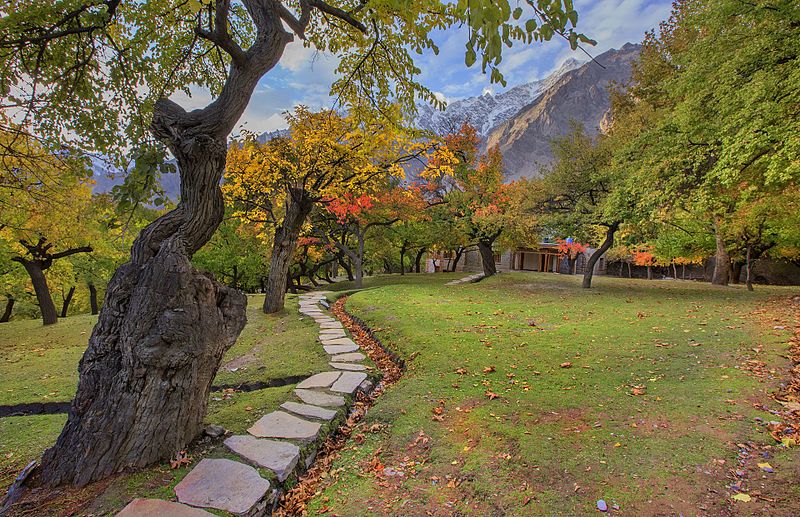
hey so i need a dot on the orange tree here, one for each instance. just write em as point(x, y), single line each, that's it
point(345, 221)
point(471, 187)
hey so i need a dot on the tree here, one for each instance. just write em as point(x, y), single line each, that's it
point(347, 220)
point(278, 183)
point(102, 71)
point(46, 200)
point(571, 249)
point(580, 193)
point(471, 185)
point(711, 115)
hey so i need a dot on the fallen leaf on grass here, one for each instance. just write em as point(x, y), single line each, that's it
point(638, 390)
point(488, 369)
point(766, 467)
point(566, 365)
point(745, 498)
point(491, 395)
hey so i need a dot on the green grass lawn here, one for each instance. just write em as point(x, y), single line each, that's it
point(39, 364)
point(645, 416)
point(644, 413)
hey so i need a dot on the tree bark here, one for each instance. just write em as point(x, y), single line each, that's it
point(649, 272)
point(67, 301)
point(418, 260)
point(403, 258)
point(487, 256)
point(748, 265)
point(609, 240)
point(9, 308)
point(42, 290)
point(722, 261)
point(347, 269)
point(630, 270)
point(357, 259)
point(93, 299)
point(298, 206)
point(736, 272)
point(454, 264)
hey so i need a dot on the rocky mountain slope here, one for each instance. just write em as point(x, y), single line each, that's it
point(579, 95)
point(488, 111)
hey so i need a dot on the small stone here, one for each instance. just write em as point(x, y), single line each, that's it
point(319, 398)
point(348, 382)
point(347, 358)
point(279, 457)
point(157, 507)
point(222, 484)
point(340, 349)
point(348, 366)
point(337, 341)
point(365, 386)
point(602, 506)
point(320, 380)
point(331, 325)
point(283, 425)
point(325, 303)
point(214, 431)
point(309, 410)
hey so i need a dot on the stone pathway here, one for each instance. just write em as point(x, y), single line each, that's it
point(278, 440)
point(466, 279)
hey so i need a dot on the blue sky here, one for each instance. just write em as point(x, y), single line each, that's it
point(303, 75)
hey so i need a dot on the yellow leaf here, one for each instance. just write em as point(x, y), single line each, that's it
point(742, 497)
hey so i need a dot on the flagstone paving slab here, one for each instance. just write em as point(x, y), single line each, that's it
point(283, 425)
point(158, 508)
point(309, 410)
point(348, 358)
point(348, 366)
point(222, 484)
point(319, 398)
point(340, 349)
point(338, 341)
point(279, 457)
point(348, 382)
point(320, 380)
point(331, 333)
point(331, 325)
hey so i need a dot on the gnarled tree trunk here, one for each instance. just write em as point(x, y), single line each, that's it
point(298, 206)
point(607, 242)
point(162, 331)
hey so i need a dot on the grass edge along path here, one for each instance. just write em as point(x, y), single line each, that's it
point(295, 501)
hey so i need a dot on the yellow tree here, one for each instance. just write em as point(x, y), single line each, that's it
point(45, 203)
point(326, 155)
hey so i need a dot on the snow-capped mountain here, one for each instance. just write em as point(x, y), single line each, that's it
point(488, 111)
